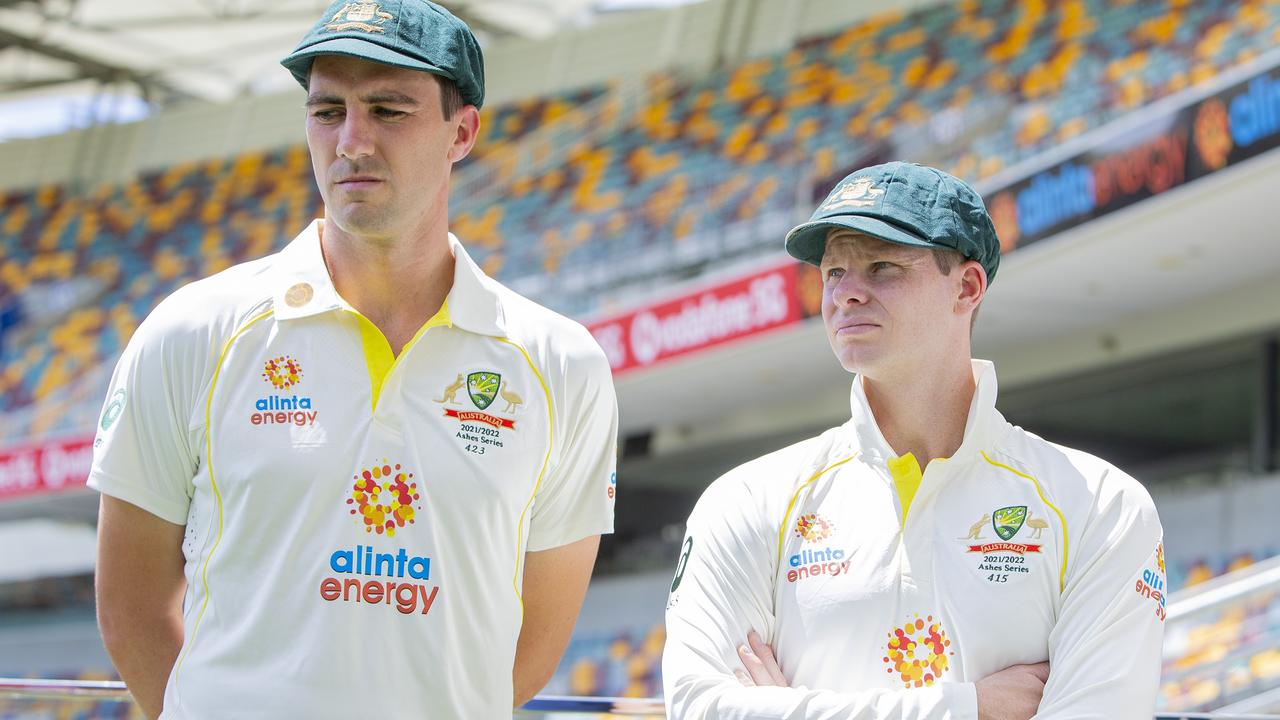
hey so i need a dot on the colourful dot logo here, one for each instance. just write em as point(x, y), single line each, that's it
point(384, 498)
point(1160, 558)
point(813, 527)
point(282, 372)
point(918, 653)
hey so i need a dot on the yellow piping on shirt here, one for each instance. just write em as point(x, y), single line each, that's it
point(515, 578)
point(782, 531)
point(1062, 576)
point(217, 496)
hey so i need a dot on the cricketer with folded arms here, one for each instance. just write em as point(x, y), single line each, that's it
point(926, 559)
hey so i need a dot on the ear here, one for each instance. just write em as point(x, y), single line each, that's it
point(972, 286)
point(464, 139)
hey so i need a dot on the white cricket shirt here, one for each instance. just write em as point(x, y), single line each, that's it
point(356, 523)
point(885, 602)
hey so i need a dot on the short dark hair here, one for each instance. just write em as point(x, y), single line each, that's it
point(450, 97)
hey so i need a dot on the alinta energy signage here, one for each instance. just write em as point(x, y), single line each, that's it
point(1232, 125)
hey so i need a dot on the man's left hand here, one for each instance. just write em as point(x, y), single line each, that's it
point(761, 666)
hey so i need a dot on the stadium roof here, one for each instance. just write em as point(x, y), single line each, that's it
point(166, 50)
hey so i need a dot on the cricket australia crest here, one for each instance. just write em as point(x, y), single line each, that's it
point(483, 388)
point(1007, 521)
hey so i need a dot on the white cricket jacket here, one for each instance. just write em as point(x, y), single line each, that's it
point(883, 602)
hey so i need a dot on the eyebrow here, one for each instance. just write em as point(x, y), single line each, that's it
point(377, 98)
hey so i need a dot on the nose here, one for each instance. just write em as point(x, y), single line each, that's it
point(355, 137)
point(850, 289)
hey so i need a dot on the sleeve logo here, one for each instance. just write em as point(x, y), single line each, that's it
point(112, 411)
point(683, 564)
point(1152, 584)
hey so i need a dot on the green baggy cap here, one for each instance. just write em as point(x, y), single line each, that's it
point(903, 203)
point(413, 34)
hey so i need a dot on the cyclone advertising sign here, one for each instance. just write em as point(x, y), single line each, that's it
point(734, 309)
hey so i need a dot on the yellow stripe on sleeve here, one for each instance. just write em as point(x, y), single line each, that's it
point(515, 578)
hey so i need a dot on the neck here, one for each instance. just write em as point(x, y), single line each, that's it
point(924, 415)
point(397, 284)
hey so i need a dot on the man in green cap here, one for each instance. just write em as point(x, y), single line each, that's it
point(926, 559)
point(357, 478)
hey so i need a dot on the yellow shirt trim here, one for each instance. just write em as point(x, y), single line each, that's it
point(1062, 575)
point(782, 530)
point(546, 391)
point(906, 474)
point(377, 350)
point(217, 496)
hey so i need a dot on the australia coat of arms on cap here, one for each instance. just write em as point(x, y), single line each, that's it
point(855, 193)
point(366, 16)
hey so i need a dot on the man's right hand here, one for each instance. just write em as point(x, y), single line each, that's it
point(1013, 693)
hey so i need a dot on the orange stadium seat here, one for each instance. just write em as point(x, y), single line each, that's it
point(727, 144)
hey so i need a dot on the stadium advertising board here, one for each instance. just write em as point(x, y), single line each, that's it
point(44, 468)
point(755, 303)
point(1226, 128)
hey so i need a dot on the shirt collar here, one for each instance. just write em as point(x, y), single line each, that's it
point(980, 427)
point(304, 287)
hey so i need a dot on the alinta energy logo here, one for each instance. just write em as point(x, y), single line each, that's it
point(813, 527)
point(1152, 583)
point(813, 562)
point(917, 652)
point(282, 373)
point(384, 497)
